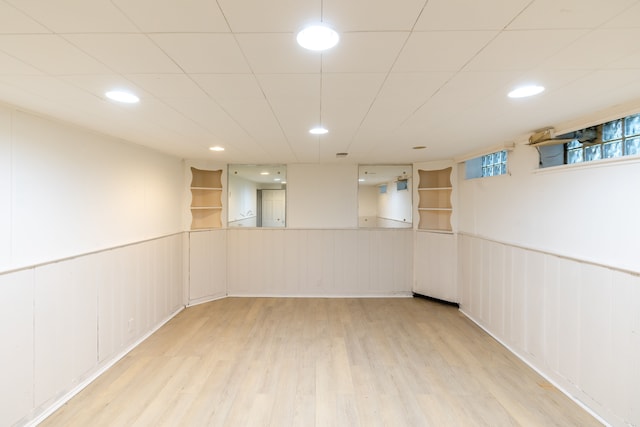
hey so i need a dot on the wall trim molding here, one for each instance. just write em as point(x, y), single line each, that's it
point(98, 251)
point(546, 252)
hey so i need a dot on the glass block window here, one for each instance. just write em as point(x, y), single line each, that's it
point(617, 138)
point(494, 164)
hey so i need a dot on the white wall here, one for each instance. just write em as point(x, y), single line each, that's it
point(66, 191)
point(322, 196)
point(588, 213)
point(91, 255)
point(548, 263)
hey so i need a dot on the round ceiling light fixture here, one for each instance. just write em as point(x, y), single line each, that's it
point(318, 131)
point(318, 37)
point(122, 96)
point(525, 91)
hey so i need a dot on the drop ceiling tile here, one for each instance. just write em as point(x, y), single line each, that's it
point(164, 86)
point(50, 54)
point(211, 116)
point(229, 86)
point(426, 51)
point(403, 94)
point(258, 16)
point(521, 50)
point(277, 54)
point(367, 15)
point(162, 115)
point(171, 16)
point(565, 14)
point(343, 117)
point(14, 21)
point(630, 61)
point(99, 84)
point(203, 53)
point(125, 53)
point(362, 86)
point(605, 46)
point(11, 65)
point(51, 88)
point(293, 87)
point(629, 18)
point(76, 16)
point(364, 53)
point(447, 15)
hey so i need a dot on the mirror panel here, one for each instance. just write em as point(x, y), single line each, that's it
point(385, 196)
point(257, 195)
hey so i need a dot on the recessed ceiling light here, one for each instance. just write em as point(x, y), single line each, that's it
point(318, 131)
point(318, 37)
point(360, 179)
point(524, 91)
point(216, 148)
point(122, 96)
point(264, 173)
point(276, 179)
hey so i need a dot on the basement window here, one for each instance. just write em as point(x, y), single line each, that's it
point(617, 138)
point(493, 164)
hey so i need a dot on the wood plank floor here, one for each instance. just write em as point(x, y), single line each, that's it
point(320, 362)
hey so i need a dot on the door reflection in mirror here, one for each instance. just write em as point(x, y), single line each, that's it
point(257, 195)
point(385, 196)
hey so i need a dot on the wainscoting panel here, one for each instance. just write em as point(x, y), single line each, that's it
point(435, 266)
point(64, 321)
point(294, 262)
point(16, 357)
point(575, 322)
point(207, 265)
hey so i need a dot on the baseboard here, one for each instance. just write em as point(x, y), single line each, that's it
point(102, 368)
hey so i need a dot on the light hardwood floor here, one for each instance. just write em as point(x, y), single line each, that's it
point(320, 362)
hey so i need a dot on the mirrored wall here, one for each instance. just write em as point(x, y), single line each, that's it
point(257, 195)
point(385, 196)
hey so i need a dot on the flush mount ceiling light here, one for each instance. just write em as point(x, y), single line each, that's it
point(318, 37)
point(318, 131)
point(525, 91)
point(216, 148)
point(122, 96)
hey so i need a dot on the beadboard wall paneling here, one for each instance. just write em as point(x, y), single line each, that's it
point(16, 357)
point(575, 322)
point(435, 265)
point(63, 322)
point(207, 265)
point(294, 262)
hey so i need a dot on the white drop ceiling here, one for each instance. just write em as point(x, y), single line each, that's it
point(405, 73)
